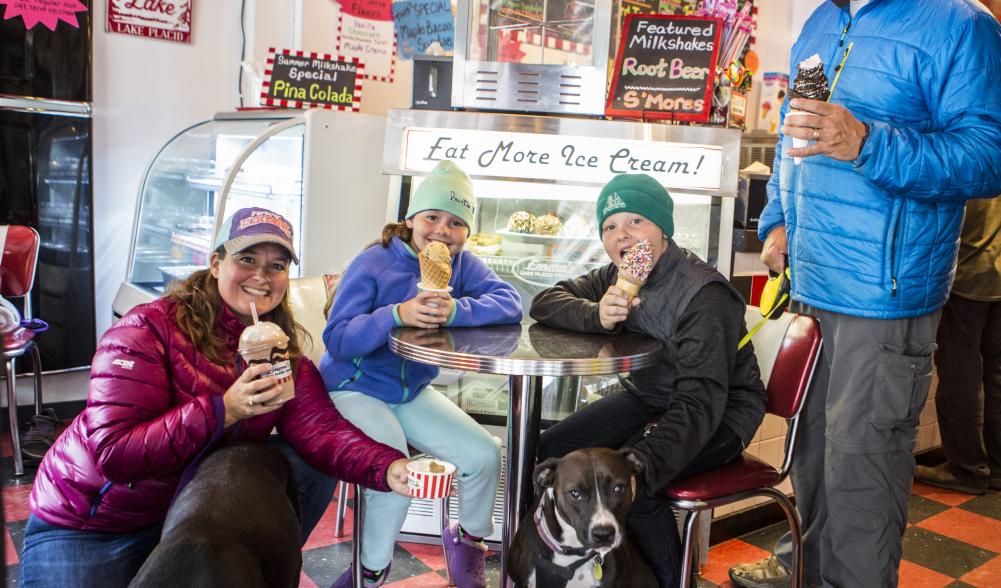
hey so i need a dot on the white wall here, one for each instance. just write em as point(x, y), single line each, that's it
point(779, 24)
point(145, 91)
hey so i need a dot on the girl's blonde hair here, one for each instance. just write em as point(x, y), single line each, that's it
point(400, 229)
point(199, 305)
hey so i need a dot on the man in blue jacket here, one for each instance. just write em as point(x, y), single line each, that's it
point(869, 220)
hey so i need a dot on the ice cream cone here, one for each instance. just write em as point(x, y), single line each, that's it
point(436, 265)
point(630, 284)
point(637, 263)
point(798, 143)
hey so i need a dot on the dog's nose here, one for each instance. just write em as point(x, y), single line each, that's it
point(603, 535)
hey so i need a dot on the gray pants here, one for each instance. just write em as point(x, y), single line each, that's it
point(853, 464)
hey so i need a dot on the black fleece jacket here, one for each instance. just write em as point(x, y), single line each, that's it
point(700, 380)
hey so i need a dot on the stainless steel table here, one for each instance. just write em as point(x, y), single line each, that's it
point(524, 353)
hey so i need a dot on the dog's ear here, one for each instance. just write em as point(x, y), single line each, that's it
point(544, 474)
point(634, 458)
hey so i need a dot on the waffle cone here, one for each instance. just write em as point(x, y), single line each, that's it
point(435, 274)
point(630, 284)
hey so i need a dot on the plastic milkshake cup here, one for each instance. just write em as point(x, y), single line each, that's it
point(265, 342)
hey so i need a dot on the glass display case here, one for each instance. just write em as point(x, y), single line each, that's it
point(288, 161)
point(536, 180)
point(532, 55)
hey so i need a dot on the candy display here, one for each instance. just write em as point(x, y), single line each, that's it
point(436, 265)
point(547, 224)
point(637, 263)
point(520, 222)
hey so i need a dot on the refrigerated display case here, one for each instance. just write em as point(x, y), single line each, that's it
point(536, 180)
point(318, 168)
point(532, 55)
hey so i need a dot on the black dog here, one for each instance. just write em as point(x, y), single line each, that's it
point(575, 534)
point(235, 524)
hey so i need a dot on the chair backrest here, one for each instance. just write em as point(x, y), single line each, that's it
point(795, 362)
point(18, 260)
point(308, 296)
point(787, 350)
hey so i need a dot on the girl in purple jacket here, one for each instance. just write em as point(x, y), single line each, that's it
point(388, 397)
point(167, 383)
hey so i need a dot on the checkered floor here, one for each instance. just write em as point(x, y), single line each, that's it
point(952, 540)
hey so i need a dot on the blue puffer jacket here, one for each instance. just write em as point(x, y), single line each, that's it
point(877, 237)
point(358, 357)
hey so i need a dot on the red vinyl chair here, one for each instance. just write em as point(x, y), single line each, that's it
point(787, 383)
point(17, 274)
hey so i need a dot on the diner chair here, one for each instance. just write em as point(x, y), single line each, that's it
point(787, 350)
point(18, 261)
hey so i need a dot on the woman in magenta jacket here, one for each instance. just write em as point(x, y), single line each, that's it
point(166, 384)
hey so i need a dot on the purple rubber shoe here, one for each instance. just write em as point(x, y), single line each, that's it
point(344, 580)
point(464, 559)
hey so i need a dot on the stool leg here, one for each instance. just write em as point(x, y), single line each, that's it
point(688, 548)
point(359, 508)
point(444, 523)
point(36, 368)
point(342, 506)
point(795, 531)
point(15, 438)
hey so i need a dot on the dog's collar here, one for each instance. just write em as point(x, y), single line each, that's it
point(565, 572)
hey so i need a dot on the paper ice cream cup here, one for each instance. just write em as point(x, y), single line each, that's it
point(423, 288)
point(424, 483)
point(798, 143)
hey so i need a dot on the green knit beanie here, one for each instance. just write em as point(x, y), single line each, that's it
point(638, 193)
point(446, 188)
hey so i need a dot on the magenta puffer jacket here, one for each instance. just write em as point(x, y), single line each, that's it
point(154, 404)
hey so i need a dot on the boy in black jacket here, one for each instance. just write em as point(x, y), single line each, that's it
point(700, 404)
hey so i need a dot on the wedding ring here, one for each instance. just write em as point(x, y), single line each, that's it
point(816, 134)
point(250, 401)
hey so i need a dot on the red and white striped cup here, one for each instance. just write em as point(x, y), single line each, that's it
point(426, 484)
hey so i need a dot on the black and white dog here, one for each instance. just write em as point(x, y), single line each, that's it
point(575, 534)
point(235, 524)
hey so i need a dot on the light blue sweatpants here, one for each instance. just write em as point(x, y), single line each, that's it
point(434, 425)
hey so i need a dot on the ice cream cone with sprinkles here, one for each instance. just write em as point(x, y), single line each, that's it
point(637, 263)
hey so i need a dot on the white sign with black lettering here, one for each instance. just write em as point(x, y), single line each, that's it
point(562, 157)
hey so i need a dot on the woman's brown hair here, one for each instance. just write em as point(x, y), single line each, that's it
point(199, 305)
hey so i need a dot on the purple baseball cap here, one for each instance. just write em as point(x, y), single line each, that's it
point(252, 226)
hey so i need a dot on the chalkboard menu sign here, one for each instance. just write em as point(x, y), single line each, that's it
point(665, 67)
point(296, 79)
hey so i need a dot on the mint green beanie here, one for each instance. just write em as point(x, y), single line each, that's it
point(640, 194)
point(446, 188)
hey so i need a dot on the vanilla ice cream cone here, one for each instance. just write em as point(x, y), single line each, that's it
point(436, 266)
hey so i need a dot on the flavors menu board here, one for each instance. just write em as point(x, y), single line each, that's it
point(665, 67)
